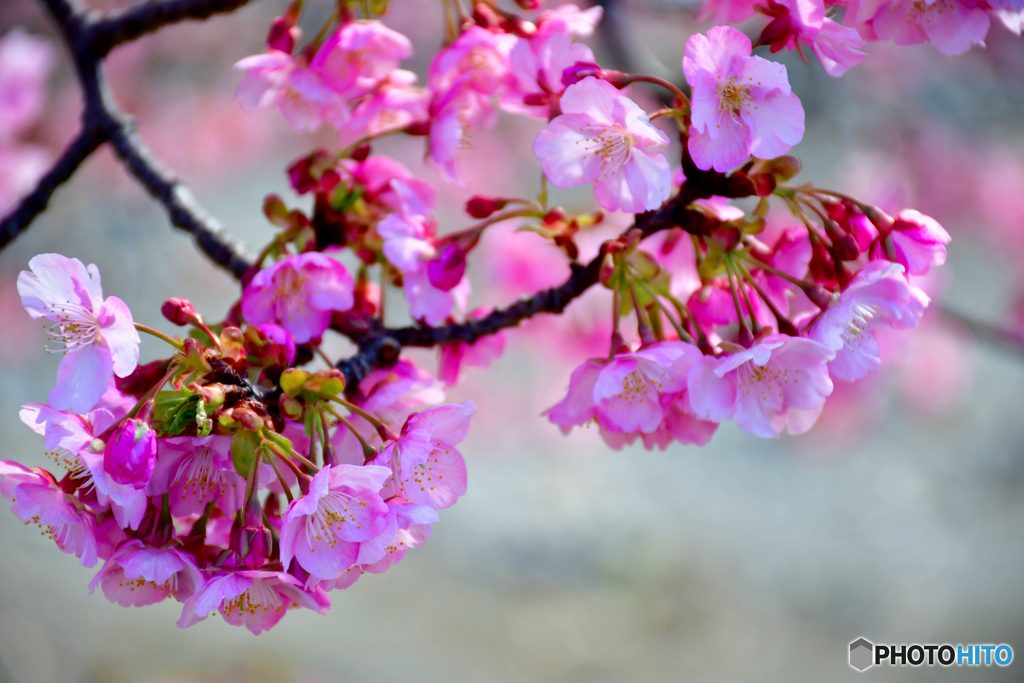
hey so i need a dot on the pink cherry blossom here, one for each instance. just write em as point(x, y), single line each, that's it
point(803, 21)
point(137, 575)
point(408, 526)
point(358, 56)
point(394, 104)
point(427, 469)
point(21, 167)
point(25, 63)
point(952, 26)
point(255, 599)
point(602, 138)
point(277, 79)
point(878, 295)
point(568, 19)
point(130, 455)
point(727, 11)
point(37, 499)
point(537, 66)
point(742, 105)
point(912, 239)
point(779, 383)
point(196, 470)
point(69, 440)
point(322, 529)
point(299, 293)
point(98, 335)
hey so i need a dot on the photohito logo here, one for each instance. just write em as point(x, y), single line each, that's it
point(864, 654)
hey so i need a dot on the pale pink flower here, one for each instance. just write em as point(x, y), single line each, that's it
point(602, 138)
point(299, 293)
point(98, 335)
point(37, 499)
point(634, 394)
point(25, 63)
point(322, 529)
point(877, 296)
point(1012, 18)
point(196, 470)
point(251, 598)
point(277, 79)
point(137, 575)
point(451, 358)
point(952, 26)
point(68, 439)
point(358, 56)
point(427, 468)
point(395, 104)
point(742, 105)
point(912, 239)
point(779, 383)
point(570, 19)
point(376, 175)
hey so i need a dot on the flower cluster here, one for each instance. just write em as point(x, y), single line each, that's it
point(191, 482)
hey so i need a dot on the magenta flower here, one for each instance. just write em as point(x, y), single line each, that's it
point(537, 67)
point(130, 455)
point(98, 335)
point(451, 358)
point(877, 296)
point(395, 103)
point(912, 239)
point(426, 467)
point(358, 56)
point(570, 19)
point(952, 26)
point(742, 105)
point(779, 383)
point(602, 138)
point(408, 526)
point(37, 499)
point(137, 575)
point(196, 470)
point(797, 22)
point(299, 293)
point(251, 598)
point(322, 529)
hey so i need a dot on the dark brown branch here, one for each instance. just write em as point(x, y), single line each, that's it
point(123, 26)
point(89, 39)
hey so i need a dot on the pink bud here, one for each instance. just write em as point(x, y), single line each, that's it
point(179, 311)
point(130, 455)
point(446, 271)
point(580, 70)
point(482, 207)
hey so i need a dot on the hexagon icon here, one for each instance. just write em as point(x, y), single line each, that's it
point(861, 654)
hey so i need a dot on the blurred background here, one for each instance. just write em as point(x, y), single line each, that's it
point(899, 518)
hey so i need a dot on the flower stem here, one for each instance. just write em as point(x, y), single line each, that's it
point(280, 478)
point(683, 99)
point(159, 335)
point(368, 451)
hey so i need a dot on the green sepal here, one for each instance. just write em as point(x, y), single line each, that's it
point(244, 445)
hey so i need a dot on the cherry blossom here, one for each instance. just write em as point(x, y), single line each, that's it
point(137, 575)
point(602, 138)
point(196, 471)
point(742, 105)
point(912, 239)
point(98, 336)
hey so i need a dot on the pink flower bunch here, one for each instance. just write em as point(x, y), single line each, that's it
point(221, 477)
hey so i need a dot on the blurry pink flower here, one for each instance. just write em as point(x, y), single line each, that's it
point(277, 79)
point(21, 167)
point(299, 293)
point(322, 529)
point(803, 21)
point(537, 67)
point(912, 239)
point(601, 138)
point(376, 173)
point(137, 575)
point(196, 470)
point(408, 526)
point(952, 26)
point(480, 354)
point(37, 499)
point(742, 105)
point(130, 454)
point(98, 335)
point(727, 11)
point(251, 598)
point(878, 295)
point(358, 56)
point(25, 63)
point(779, 383)
point(396, 103)
point(568, 19)
point(427, 468)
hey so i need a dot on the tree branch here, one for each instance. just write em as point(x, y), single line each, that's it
point(89, 39)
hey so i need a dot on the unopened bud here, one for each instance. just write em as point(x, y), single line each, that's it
point(195, 356)
point(179, 311)
point(580, 70)
point(482, 207)
point(282, 35)
point(819, 296)
point(130, 454)
point(387, 433)
point(247, 418)
point(528, 4)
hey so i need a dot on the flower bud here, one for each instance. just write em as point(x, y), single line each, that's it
point(282, 35)
point(255, 542)
point(247, 418)
point(446, 271)
point(580, 70)
point(130, 455)
point(482, 207)
point(528, 4)
point(179, 311)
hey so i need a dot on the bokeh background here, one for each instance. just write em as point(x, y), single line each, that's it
point(899, 518)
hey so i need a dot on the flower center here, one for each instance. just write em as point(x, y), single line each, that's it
point(733, 97)
point(859, 325)
point(332, 513)
point(198, 476)
point(611, 144)
point(256, 600)
point(75, 326)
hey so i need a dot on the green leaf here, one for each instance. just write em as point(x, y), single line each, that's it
point(244, 445)
point(176, 411)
